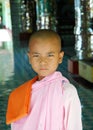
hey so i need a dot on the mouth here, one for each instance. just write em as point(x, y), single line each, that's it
point(43, 69)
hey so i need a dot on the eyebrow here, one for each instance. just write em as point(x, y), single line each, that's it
point(40, 53)
point(35, 53)
point(50, 52)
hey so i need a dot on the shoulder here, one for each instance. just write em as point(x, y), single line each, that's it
point(17, 92)
point(69, 90)
point(23, 87)
point(70, 96)
point(20, 87)
point(70, 87)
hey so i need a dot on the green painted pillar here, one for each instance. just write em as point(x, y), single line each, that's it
point(46, 14)
point(27, 15)
point(84, 29)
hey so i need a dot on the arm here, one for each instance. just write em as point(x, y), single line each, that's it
point(72, 120)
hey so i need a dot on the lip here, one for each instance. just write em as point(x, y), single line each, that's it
point(43, 69)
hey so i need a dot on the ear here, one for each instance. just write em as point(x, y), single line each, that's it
point(61, 57)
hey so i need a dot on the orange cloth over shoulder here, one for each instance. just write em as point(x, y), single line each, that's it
point(18, 103)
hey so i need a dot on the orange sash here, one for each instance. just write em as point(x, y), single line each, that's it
point(18, 103)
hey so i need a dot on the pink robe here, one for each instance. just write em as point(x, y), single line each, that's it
point(54, 105)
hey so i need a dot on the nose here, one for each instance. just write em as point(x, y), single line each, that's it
point(43, 60)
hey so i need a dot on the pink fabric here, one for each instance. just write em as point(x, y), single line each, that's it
point(55, 105)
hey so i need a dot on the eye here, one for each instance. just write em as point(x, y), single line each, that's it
point(35, 55)
point(50, 55)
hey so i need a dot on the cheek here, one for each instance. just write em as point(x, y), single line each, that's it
point(54, 62)
point(34, 66)
point(33, 63)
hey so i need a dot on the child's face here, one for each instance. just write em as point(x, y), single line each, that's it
point(44, 56)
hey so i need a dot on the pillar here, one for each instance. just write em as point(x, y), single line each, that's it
point(46, 14)
point(84, 29)
point(27, 15)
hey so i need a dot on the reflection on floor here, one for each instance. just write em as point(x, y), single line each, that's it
point(15, 70)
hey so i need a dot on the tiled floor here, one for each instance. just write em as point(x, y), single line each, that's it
point(15, 70)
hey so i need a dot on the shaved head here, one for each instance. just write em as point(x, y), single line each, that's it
point(46, 34)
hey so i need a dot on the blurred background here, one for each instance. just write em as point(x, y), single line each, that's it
point(73, 21)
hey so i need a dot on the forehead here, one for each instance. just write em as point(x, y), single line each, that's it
point(44, 43)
